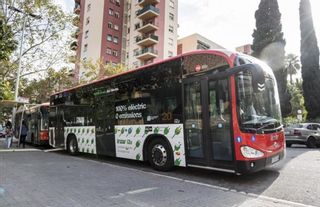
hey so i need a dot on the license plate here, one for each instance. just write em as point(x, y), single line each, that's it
point(275, 159)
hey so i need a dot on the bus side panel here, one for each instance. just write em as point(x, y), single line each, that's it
point(86, 137)
point(130, 140)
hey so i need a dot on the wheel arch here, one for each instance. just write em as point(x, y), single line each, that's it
point(149, 139)
point(69, 136)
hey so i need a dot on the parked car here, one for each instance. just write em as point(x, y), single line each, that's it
point(303, 133)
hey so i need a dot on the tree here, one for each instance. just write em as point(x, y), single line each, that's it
point(46, 42)
point(292, 65)
point(309, 61)
point(7, 42)
point(268, 45)
point(98, 70)
point(39, 91)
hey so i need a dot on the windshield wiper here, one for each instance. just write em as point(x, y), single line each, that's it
point(269, 124)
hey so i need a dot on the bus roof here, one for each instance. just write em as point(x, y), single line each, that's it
point(229, 55)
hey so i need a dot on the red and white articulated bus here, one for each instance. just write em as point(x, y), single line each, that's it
point(37, 120)
point(206, 109)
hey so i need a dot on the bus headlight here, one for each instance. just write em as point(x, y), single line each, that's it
point(249, 152)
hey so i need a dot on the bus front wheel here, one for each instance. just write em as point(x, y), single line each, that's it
point(160, 155)
point(73, 146)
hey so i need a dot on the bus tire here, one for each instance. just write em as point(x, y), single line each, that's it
point(160, 155)
point(72, 145)
point(311, 142)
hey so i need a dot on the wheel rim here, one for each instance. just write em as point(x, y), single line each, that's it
point(72, 146)
point(159, 155)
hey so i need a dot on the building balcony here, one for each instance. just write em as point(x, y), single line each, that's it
point(148, 27)
point(77, 8)
point(148, 40)
point(148, 12)
point(144, 3)
point(146, 54)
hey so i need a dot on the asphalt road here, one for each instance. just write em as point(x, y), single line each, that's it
point(38, 178)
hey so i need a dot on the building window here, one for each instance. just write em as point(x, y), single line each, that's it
point(137, 26)
point(88, 7)
point(170, 42)
point(117, 15)
point(170, 53)
point(85, 48)
point(111, 12)
point(171, 4)
point(109, 51)
point(115, 53)
point(88, 20)
point(202, 46)
point(116, 27)
point(171, 29)
point(171, 16)
point(115, 39)
point(110, 25)
point(109, 38)
point(135, 52)
point(118, 2)
point(86, 34)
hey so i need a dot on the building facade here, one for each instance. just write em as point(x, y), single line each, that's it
point(246, 49)
point(196, 42)
point(131, 32)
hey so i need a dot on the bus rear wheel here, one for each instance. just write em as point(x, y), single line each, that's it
point(72, 146)
point(160, 155)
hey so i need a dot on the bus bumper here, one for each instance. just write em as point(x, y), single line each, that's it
point(251, 166)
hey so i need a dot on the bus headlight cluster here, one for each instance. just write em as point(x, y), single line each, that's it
point(249, 152)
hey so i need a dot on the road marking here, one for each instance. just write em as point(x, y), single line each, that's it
point(53, 150)
point(20, 150)
point(140, 191)
point(252, 195)
point(133, 192)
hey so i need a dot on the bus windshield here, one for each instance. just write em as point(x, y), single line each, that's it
point(260, 109)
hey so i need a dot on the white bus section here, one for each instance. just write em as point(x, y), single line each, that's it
point(130, 140)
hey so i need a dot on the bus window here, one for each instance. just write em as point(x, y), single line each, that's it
point(219, 108)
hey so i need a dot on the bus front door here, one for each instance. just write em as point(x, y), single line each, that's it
point(57, 127)
point(207, 120)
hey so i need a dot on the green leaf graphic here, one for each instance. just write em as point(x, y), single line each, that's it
point(137, 144)
point(138, 130)
point(166, 130)
point(177, 131)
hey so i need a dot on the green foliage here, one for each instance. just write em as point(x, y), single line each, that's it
point(268, 26)
point(40, 36)
point(297, 100)
point(268, 45)
point(7, 43)
point(310, 61)
point(292, 66)
point(39, 91)
point(97, 70)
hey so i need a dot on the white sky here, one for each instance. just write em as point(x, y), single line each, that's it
point(230, 23)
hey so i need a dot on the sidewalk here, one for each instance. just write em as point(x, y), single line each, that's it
point(14, 146)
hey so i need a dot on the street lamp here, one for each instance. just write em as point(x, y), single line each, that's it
point(25, 15)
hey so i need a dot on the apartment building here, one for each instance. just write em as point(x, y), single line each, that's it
point(196, 42)
point(131, 32)
point(152, 31)
point(100, 31)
